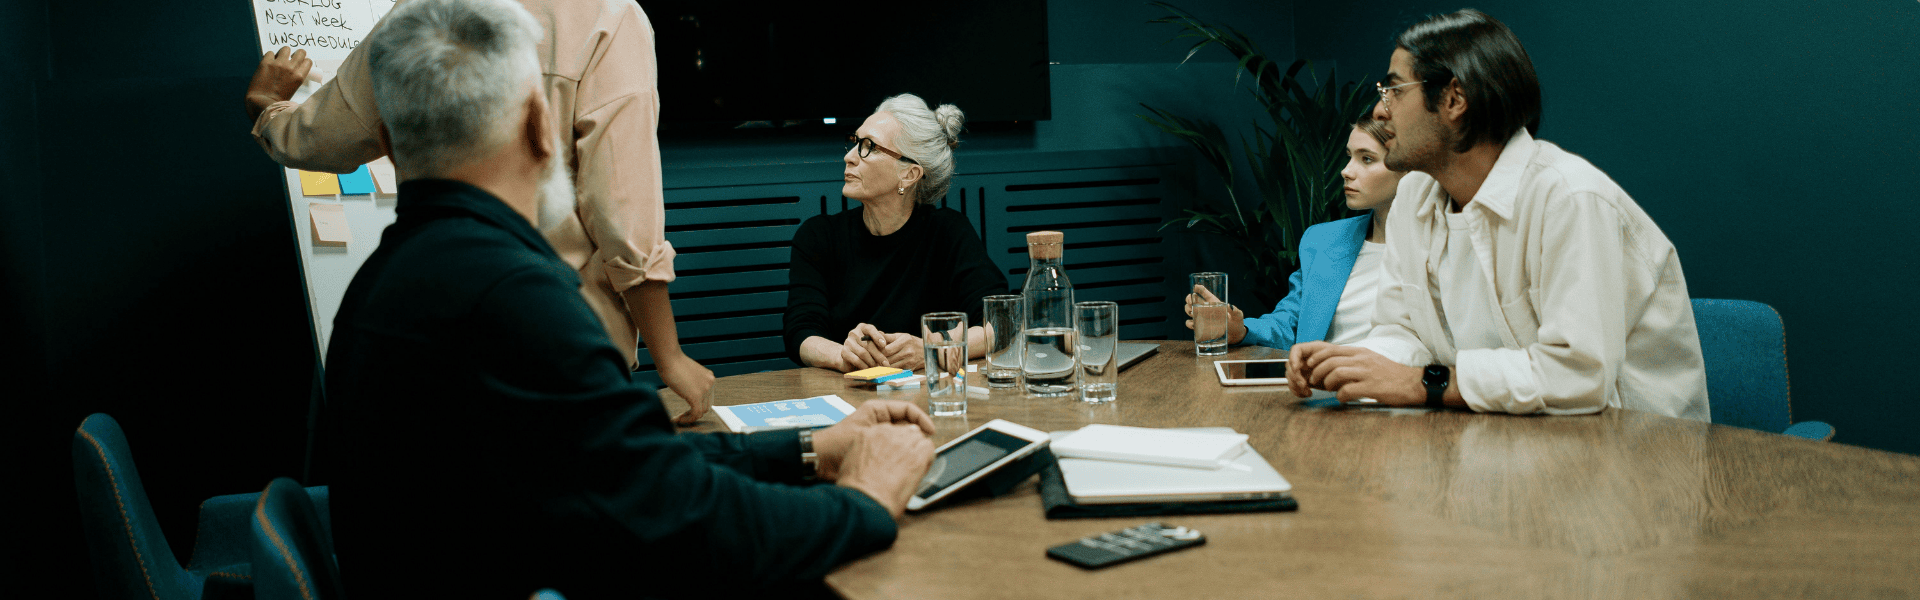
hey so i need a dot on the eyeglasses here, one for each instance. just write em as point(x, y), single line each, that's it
point(1386, 99)
point(867, 146)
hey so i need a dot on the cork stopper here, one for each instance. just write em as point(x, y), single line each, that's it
point(1044, 244)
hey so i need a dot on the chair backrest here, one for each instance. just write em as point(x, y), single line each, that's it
point(130, 556)
point(292, 550)
point(1745, 348)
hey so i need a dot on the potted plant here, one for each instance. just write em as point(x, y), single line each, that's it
point(1294, 157)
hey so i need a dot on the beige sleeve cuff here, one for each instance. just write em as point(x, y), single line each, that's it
point(262, 134)
point(635, 265)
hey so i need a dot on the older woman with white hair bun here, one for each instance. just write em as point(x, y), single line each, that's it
point(861, 279)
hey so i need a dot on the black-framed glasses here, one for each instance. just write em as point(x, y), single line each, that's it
point(867, 146)
point(1388, 92)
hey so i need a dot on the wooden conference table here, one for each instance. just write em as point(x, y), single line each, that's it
point(1399, 503)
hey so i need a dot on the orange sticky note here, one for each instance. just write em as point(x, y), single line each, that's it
point(329, 224)
point(383, 177)
point(318, 184)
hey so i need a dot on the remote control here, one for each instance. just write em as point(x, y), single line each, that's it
point(1108, 549)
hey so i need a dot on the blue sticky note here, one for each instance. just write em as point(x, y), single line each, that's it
point(358, 182)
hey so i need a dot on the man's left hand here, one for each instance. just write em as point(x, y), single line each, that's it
point(1356, 373)
point(830, 443)
point(280, 75)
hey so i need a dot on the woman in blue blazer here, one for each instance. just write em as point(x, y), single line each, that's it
point(1330, 298)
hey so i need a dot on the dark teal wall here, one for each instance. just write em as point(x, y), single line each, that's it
point(1111, 60)
point(147, 268)
point(1772, 141)
point(23, 59)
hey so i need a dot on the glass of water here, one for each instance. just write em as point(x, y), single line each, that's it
point(1098, 327)
point(1209, 318)
point(944, 335)
point(1004, 317)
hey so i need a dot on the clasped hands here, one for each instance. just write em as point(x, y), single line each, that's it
point(1353, 373)
point(867, 346)
point(882, 450)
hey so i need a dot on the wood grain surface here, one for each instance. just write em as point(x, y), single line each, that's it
point(1412, 503)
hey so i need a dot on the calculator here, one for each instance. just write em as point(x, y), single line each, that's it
point(1107, 549)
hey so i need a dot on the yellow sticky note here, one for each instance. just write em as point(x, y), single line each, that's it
point(318, 184)
point(329, 224)
point(383, 177)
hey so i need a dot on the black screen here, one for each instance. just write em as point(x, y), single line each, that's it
point(809, 60)
point(963, 459)
point(1257, 370)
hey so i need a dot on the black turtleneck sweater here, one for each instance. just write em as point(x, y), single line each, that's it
point(842, 275)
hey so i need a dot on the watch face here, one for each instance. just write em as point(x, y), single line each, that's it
point(1435, 375)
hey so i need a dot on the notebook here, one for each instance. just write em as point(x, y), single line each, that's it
point(818, 411)
point(1174, 447)
point(1247, 477)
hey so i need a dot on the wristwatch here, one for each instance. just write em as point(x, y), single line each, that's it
point(1436, 378)
point(809, 460)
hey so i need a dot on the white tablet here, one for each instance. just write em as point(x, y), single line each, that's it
point(969, 457)
point(1266, 371)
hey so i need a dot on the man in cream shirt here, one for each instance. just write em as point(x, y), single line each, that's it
point(1518, 278)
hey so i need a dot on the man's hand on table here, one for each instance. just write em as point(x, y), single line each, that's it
point(280, 75)
point(1353, 373)
point(882, 449)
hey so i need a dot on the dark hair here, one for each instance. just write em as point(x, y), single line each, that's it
point(1493, 70)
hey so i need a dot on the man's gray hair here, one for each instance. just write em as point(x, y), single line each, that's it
point(449, 75)
point(927, 137)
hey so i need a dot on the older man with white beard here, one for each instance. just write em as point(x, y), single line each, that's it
point(492, 440)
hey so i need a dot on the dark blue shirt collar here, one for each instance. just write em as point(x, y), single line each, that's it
point(430, 199)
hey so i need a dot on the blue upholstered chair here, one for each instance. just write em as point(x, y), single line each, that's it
point(130, 555)
point(291, 547)
point(131, 558)
point(1745, 347)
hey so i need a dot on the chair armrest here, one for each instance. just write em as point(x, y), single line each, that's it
point(220, 540)
point(1814, 430)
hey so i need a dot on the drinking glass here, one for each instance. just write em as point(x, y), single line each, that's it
point(1098, 327)
point(1209, 318)
point(944, 335)
point(1004, 317)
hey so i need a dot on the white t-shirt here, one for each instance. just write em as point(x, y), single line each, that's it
point(1466, 301)
point(1353, 317)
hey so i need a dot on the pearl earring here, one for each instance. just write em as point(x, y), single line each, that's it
point(903, 191)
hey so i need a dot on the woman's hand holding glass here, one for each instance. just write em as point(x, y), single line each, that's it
point(1236, 320)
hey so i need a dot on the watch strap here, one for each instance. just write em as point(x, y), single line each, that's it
point(809, 460)
point(1436, 378)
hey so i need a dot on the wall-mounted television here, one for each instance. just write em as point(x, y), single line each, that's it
point(803, 61)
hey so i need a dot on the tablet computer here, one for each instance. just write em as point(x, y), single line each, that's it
point(971, 456)
point(1266, 371)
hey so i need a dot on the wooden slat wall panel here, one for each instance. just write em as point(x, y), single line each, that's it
point(733, 244)
point(1111, 218)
